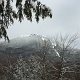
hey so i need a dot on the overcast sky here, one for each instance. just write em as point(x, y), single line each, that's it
point(66, 19)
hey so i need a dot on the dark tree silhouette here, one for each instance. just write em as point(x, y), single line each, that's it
point(26, 9)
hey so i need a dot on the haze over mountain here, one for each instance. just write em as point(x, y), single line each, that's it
point(31, 45)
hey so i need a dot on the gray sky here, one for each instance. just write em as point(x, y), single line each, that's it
point(66, 19)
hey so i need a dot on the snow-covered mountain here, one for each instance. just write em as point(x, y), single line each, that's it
point(25, 40)
point(30, 45)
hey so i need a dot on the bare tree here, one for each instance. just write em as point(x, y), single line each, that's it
point(48, 66)
point(64, 46)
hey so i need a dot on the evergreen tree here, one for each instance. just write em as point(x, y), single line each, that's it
point(26, 9)
point(18, 70)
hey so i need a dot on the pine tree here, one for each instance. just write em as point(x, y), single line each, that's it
point(36, 67)
point(18, 70)
point(26, 9)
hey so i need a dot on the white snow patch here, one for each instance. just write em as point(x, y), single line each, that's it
point(24, 36)
point(33, 3)
point(57, 53)
point(53, 44)
point(44, 38)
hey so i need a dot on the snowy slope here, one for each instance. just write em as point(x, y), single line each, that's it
point(31, 44)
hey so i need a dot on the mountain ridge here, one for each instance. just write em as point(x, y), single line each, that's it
point(32, 44)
